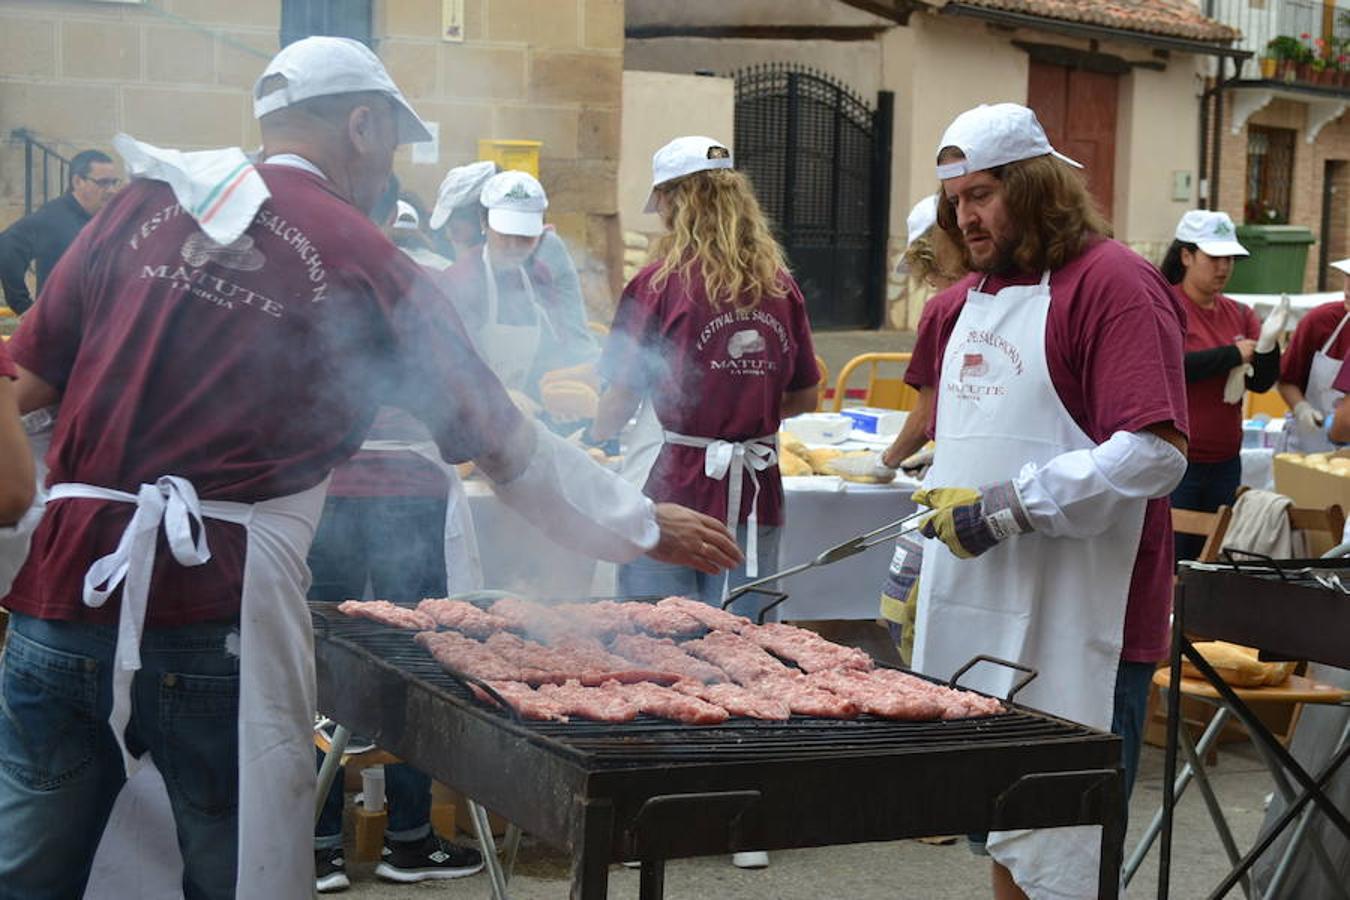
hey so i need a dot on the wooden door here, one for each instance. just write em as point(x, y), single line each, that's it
point(1077, 108)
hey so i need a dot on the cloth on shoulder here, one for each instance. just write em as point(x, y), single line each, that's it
point(1260, 524)
point(219, 188)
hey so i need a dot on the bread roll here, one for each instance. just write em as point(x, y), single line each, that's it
point(569, 401)
point(792, 465)
point(818, 458)
point(791, 443)
point(1238, 665)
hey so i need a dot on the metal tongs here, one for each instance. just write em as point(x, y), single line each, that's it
point(850, 547)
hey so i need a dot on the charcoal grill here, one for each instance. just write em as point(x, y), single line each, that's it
point(1292, 609)
point(652, 790)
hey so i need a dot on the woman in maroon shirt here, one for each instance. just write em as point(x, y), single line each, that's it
point(1221, 336)
point(714, 330)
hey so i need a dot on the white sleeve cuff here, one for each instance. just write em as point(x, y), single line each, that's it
point(1080, 493)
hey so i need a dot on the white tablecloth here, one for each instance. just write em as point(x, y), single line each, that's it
point(1258, 468)
point(518, 557)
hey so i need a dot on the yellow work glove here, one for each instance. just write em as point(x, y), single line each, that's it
point(971, 522)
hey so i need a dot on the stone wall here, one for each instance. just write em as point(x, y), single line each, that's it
point(179, 73)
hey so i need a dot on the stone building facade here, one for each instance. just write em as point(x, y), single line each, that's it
point(179, 72)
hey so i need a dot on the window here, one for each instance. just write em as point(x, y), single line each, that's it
point(1270, 174)
point(339, 18)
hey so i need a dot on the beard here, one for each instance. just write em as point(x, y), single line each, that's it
point(997, 259)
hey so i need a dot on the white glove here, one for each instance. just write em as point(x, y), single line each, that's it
point(1309, 419)
point(917, 464)
point(868, 465)
point(1236, 385)
point(1275, 325)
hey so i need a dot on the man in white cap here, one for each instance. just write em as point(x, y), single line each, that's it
point(1309, 366)
point(520, 323)
point(246, 360)
point(1060, 429)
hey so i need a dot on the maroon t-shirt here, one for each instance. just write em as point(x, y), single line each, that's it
point(1113, 344)
point(390, 473)
point(710, 373)
point(1311, 335)
point(1216, 426)
point(250, 370)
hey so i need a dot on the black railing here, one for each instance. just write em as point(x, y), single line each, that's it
point(45, 171)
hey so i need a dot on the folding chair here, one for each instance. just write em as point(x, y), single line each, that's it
point(889, 393)
point(824, 383)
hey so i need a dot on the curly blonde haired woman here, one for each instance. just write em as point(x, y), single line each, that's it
point(714, 331)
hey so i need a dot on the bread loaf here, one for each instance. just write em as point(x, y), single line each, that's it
point(1238, 665)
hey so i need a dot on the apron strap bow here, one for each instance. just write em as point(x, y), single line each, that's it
point(730, 460)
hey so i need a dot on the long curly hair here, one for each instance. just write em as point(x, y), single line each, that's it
point(714, 221)
point(1049, 203)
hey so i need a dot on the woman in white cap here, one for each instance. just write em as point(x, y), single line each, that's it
point(1309, 365)
point(1228, 352)
point(521, 323)
point(716, 329)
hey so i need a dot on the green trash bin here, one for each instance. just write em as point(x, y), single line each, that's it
point(1278, 256)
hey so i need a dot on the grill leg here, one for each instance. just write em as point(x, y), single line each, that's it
point(479, 817)
point(1113, 836)
point(510, 849)
point(1194, 761)
point(331, 761)
point(652, 880)
point(1287, 792)
point(590, 859)
point(1183, 781)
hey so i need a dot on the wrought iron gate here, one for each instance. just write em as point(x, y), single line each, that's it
point(820, 161)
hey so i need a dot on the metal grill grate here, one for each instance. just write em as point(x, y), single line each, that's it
point(651, 740)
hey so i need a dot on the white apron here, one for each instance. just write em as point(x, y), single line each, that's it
point(733, 460)
point(641, 443)
point(463, 564)
point(509, 350)
point(1321, 395)
point(1055, 604)
point(276, 663)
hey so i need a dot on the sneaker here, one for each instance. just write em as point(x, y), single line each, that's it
point(750, 859)
point(433, 857)
point(330, 871)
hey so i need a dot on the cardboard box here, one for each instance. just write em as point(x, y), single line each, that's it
point(1311, 487)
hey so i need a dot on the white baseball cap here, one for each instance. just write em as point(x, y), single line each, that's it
point(515, 203)
point(921, 218)
point(995, 135)
point(685, 156)
point(1341, 265)
point(407, 216)
point(320, 66)
point(460, 187)
point(1211, 231)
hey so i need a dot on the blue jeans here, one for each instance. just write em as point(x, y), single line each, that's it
point(398, 544)
point(646, 577)
point(1128, 713)
point(1206, 487)
point(60, 769)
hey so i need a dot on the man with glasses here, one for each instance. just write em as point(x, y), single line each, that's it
point(44, 235)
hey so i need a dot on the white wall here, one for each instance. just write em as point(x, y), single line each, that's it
point(746, 12)
point(657, 107)
point(855, 63)
point(1158, 133)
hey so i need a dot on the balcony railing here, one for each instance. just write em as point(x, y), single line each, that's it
point(1262, 20)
